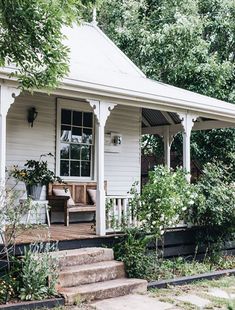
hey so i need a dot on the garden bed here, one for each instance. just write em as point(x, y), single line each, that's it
point(36, 304)
point(190, 279)
point(169, 269)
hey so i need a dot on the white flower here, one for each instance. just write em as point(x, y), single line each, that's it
point(184, 208)
point(191, 202)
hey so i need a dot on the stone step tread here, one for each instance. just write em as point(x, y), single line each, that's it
point(83, 256)
point(84, 251)
point(91, 267)
point(94, 287)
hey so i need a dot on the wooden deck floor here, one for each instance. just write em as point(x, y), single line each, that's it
point(56, 232)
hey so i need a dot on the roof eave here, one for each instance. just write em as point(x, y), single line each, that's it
point(87, 90)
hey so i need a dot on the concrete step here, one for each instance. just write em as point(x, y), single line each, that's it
point(83, 256)
point(90, 273)
point(103, 290)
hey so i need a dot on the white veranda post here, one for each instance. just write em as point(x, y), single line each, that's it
point(187, 121)
point(7, 97)
point(102, 110)
point(167, 138)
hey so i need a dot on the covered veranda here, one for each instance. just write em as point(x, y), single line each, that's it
point(183, 113)
point(105, 82)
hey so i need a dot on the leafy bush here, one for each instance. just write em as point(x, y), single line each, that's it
point(132, 251)
point(164, 199)
point(214, 209)
point(35, 273)
point(6, 291)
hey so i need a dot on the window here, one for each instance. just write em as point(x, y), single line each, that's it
point(76, 143)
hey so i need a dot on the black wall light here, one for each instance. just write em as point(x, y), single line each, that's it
point(32, 115)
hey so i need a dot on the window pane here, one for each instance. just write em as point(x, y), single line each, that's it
point(87, 136)
point(76, 135)
point(86, 167)
point(77, 118)
point(75, 151)
point(65, 133)
point(87, 119)
point(75, 168)
point(86, 152)
point(64, 168)
point(64, 151)
point(65, 116)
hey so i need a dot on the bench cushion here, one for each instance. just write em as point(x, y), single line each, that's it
point(63, 192)
point(92, 194)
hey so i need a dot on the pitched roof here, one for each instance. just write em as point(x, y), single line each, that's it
point(99, 67)
point(97, 63)
point(91, 51)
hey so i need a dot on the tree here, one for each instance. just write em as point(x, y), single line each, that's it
point(186, 43)
point(31, 38)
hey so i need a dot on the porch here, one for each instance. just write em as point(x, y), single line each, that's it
point(110, 160)
point(94, 120)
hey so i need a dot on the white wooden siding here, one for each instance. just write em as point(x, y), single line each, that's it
point(24, 142)
point(122, 169)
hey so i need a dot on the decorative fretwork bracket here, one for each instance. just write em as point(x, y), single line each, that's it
point(101, 110)
point(187, 121)
point(8, 95)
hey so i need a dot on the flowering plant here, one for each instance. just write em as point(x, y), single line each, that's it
point(165, 199)
point(35, 172)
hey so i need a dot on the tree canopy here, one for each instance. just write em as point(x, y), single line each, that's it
point(186, 43)
point(31, 38)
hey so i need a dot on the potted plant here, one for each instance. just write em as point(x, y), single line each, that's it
point(35, 174)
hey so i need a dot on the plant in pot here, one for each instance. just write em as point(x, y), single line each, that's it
point(35, 174)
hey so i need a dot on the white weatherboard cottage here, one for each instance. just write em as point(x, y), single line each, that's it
point(102, 107)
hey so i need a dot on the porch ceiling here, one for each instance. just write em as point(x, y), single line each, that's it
point(154, 118)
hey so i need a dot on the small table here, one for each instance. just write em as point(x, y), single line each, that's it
point(42, 203)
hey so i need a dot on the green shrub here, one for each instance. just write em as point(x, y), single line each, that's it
point(35, 273)
point(165, 199)
point(132, 250)
point(214, 209)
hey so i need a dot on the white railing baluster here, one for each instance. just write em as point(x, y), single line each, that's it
point(125, 210)
point(119, 212)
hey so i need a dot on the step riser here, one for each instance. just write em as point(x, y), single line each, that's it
point(99, 256)
point(107, 293)
point(91, 276)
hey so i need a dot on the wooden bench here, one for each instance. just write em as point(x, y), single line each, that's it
point(80, 195)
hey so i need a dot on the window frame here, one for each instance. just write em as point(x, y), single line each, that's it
point(78, 106)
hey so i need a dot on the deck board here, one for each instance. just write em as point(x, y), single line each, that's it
point(56, 232)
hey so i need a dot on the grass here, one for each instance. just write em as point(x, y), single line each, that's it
point(200, 289)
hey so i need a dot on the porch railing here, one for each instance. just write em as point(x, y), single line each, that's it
point(118, 213)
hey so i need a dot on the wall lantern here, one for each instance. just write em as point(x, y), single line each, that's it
point(32, 115)
point(117, 140)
